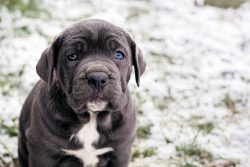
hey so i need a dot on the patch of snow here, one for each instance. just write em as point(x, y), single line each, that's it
point(198, 69)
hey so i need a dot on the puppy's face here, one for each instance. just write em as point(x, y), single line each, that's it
point(92, 61)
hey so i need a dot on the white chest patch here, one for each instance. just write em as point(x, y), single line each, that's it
point(87, 135)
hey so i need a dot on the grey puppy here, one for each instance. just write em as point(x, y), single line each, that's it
point(80, 113)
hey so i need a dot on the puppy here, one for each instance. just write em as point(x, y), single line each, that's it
point(80, 113)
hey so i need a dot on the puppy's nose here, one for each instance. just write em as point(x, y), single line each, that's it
point(97, 80)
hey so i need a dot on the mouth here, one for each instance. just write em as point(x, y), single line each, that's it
point(96, 105)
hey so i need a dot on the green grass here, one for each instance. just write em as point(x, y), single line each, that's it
point(11, 80)
point(229, 103)
point(190, 153)
point(22, 5)
point(29, 8)
point(193, 150)
point(206, 128)
point(225, 3)
point(148, 152)
point(144, 131)
point(10, 130)
point(135, 12)
point(188, 165)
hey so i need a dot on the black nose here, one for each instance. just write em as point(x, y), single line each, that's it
point(97, 80)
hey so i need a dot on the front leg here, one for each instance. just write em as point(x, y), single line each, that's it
point(69, 161)
point(120, 157)
point(22, 152)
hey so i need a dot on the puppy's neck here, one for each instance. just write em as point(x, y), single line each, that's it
point(59, 111)
point(57, 94)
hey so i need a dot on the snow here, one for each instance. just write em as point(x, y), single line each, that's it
point(198, 71)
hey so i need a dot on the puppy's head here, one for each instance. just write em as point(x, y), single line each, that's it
point(92, 62)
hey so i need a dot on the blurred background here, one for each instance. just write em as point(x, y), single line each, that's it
point(193, 105)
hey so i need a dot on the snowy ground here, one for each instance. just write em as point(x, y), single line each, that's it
point(193, 105)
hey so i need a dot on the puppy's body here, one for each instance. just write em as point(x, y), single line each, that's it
point(80, 113)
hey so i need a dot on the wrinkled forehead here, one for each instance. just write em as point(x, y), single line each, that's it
point(95, 32)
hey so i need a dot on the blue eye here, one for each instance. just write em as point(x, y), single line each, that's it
point(119, 55)
point(72, 57)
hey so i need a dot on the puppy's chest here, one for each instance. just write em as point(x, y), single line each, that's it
point(87, 136)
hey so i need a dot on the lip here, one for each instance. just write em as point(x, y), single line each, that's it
point(95, 99)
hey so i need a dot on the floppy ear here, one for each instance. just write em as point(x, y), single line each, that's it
point(138, 62)
point(46, 64)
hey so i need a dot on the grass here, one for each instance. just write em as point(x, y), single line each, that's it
point(193, 150)
point(24, 6)
point(192, 155)
point(135, 12)
point(7, 154)
point(225, 3)
point(30, 8)
point(206, 128)
point(11, 80)
point(144, 131)
point(148, 152)
point(162, 56)
point(229, 103)
point(10, 130)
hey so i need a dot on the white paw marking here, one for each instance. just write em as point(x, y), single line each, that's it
point(87, 135)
